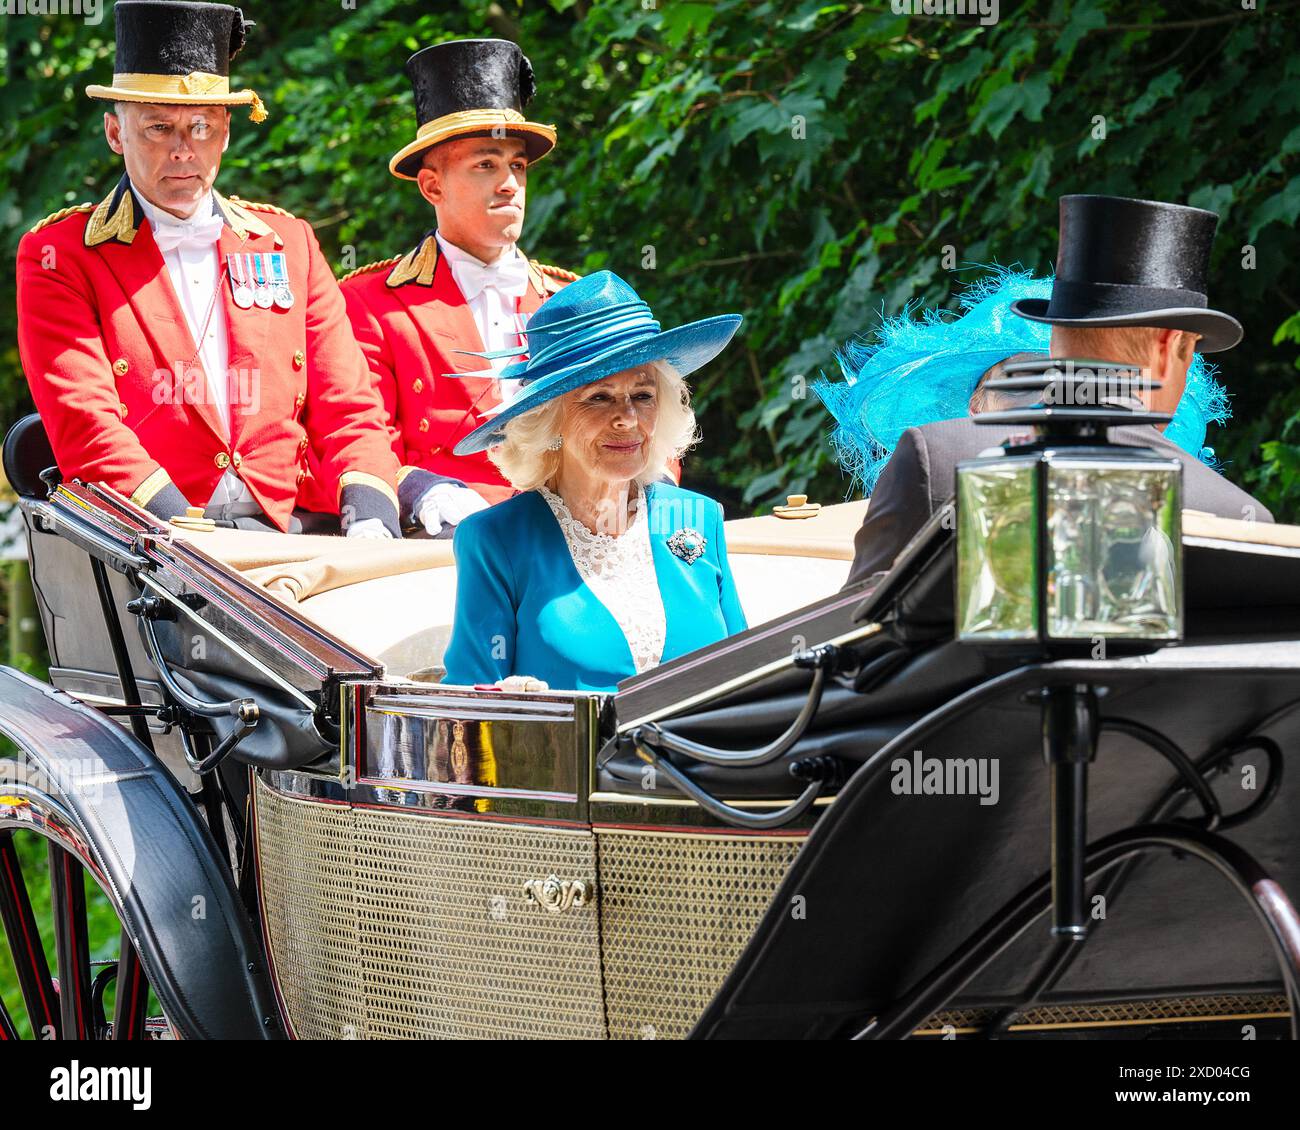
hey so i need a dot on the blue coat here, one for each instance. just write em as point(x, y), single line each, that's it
point(522, 608)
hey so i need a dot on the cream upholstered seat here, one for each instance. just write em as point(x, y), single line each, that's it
point(395, 601)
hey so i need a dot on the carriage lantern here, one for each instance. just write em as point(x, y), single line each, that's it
point(1065, 538)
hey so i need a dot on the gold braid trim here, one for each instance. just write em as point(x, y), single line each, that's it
point(371, 267)
point(258, 206)
point(63, 214)
point(145, 492)
point(549, 280)
point(417, 265)
point(120, 226)
point(558, 272)
point(364, 479)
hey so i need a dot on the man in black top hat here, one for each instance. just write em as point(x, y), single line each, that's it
point(186, 348)
point(465, 287)
point(1131, 287)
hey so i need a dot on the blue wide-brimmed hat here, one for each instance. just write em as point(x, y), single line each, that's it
point(592, 329)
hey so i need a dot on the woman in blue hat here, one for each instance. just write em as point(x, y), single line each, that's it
point(599, 569)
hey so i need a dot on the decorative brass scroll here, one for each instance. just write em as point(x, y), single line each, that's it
point(555, 894)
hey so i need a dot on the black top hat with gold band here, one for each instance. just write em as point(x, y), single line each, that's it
point(470, 88)
point(177, 54)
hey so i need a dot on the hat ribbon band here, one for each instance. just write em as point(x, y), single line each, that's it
point(196, 82)
point(1120, 298)
point(469, 119)
point(608, 335)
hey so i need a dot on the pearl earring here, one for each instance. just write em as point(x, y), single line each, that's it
point(555, 444)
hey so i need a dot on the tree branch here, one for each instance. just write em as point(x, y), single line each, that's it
point(733, 261)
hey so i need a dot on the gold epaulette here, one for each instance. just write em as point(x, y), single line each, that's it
point(371, 267)
point(62, 214)
point(258, 206)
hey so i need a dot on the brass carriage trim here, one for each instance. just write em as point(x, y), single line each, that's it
point(555, 895)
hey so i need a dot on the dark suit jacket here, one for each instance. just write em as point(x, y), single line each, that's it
point(921, 474)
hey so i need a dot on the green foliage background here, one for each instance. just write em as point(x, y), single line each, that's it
point(678, 124)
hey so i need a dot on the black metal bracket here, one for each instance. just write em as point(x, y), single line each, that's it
point(1192, 781)
point(729, 814)
point(1070, 727)
point(245, 710)
point(1266, 898)
point(650, 741)
point(821, 660)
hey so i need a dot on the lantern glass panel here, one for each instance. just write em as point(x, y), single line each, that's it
point(997, 550)
point(1113, 550)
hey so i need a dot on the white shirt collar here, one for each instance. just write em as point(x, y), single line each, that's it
point(156, 216)
point(460, 255)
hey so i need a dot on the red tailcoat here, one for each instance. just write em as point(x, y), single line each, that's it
point(410, 317)
point(118, 382)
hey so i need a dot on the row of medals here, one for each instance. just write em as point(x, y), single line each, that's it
point(260, 280)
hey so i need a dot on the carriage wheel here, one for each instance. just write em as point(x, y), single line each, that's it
point(72, 972)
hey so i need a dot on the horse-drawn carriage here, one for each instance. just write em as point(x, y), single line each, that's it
point(854, 818)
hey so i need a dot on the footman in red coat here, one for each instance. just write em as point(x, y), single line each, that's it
point(463, 289)
point(186, 348)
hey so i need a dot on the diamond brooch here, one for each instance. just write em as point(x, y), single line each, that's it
point(688, 544)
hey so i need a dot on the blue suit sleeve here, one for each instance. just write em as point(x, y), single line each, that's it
point(482, 647)
point(732, 612)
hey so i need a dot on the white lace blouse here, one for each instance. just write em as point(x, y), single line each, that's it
point(621, 573)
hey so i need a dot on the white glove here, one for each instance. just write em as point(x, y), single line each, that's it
point(522, 683)
point(447, 504)
point(371, 528)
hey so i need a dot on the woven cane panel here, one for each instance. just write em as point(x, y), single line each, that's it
point(384, 924)
point(450, 947)
point(1167, 1009)
point(306, 862)
point(676, 910)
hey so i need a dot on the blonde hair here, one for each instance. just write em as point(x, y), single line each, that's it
point(526, 459)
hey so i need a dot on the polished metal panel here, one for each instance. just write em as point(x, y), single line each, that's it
point(680, 813)
point(480, 751)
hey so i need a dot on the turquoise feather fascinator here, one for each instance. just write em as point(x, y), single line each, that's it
point(922, 367)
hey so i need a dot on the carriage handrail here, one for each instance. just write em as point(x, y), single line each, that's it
point(822, 660)
point(729, 813)
point(216, 633)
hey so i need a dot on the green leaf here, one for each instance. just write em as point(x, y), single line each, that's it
point(1281, 208)
point(1160, 88)
point(1288, 330)
point(1027, 99)
point(1085, 16)
point(682, 20)
point(1214, 198)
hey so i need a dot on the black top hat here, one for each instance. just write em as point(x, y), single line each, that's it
point(177, 53)
point(470, 88)
point(1128, 262)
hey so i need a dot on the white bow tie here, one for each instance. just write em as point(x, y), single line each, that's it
point(190, 234)
point(509, 277)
